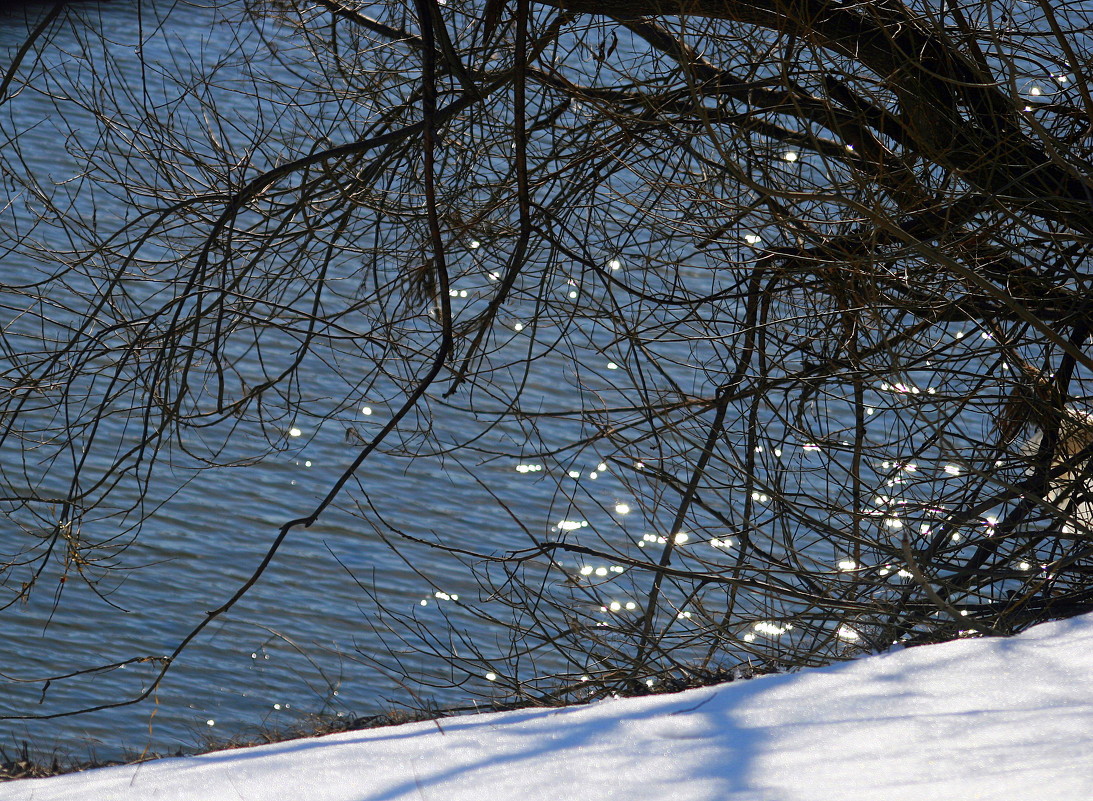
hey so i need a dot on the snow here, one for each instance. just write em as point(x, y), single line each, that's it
point(976, 718)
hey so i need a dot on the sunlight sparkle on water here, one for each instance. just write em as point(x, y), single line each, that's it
point(848, 564)
point(571, 525)
point(622, 508)
point(752, 239)
point(770, 628)
point(901, 388)
point(518, 327)
point(614, 264)
point(848, 634)
point(294, 432)
point(366, 410)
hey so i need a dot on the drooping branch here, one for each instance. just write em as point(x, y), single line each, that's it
point(950, 112)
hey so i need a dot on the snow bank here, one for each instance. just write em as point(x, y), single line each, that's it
point(992, 719)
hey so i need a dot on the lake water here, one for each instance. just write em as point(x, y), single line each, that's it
point(301, 640)
point(321, 632)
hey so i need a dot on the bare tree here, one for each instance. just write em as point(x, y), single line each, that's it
point(814, 276)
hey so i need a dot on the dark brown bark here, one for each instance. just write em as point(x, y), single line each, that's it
point(951, 113)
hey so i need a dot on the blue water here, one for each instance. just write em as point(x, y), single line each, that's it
point(303, 639)
point(323, 630)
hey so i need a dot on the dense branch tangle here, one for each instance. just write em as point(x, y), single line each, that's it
point(788, 259)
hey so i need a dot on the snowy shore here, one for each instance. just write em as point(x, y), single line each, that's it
point(992, 719)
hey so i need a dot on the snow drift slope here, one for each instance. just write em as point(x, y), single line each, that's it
point(992, 719)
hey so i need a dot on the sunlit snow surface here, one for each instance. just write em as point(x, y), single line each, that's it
point(992, 719)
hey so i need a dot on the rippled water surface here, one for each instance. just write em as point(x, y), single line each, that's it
point(293, 645)
point(302, 640)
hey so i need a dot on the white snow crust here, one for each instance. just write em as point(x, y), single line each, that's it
point(973, 719)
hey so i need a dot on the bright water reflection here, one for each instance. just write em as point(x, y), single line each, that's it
point(293, 643)
point(289, 646)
